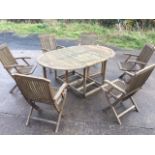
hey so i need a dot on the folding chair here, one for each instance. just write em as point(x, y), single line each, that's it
point(39, 90)
point(12, 66)
point(48, 43)
point(136, 62)
point(117, 91)
point(90, 39)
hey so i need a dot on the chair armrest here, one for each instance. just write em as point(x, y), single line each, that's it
point(115, 86)
point(59, 47)
point(138, 62)
point(129, 73)
point(23, 57)
point(126, 73)
point(45, 50)
point(60, 91)
point(128, 54)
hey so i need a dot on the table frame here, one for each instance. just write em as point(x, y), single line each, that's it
point(83, 84)
point(85, 80)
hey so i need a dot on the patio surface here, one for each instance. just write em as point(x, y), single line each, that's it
point(81, 115)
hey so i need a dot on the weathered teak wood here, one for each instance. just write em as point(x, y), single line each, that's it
point(77, 57)
point(44, 72)
point(134, 63)
point(36, 90)
point(120, 90)
point(48, 43)
point(89, 39)
point(11, 64)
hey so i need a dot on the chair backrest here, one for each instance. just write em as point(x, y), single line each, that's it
point(146, 53)
point(48, 42)
point(138, 80)
point(88, 39)
point(34, 88)
point(5, 56)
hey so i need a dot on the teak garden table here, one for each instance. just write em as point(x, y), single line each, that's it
point(77, 57)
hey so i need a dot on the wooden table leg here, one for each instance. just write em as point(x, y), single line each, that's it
point(103, 70)
point(44, 72)
point(88, 71)
point(55, 73)
point(84, 80)
point(66, 76)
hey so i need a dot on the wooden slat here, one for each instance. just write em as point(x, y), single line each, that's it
point(87, 85)
point(39, 90)
point(93, 91)
point(48, 43)
point(75, 57)
point(75, 82)
point(126, 111)
point(44, 120)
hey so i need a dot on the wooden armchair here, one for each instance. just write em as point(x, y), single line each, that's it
point(90, 39)
point(48, 43)
point(136, 62)
point(12, 65)
point(118, 90)
point(37, 90)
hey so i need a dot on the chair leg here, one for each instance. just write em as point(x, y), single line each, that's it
point(134, 103)
point(12, 89)
point(35, 106)
point(113, 109)
point(73, 72)
point(121, 76)
point(88, 72)
point(29, 115)
point(58, 122)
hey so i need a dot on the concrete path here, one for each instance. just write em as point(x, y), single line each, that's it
point(81, 115)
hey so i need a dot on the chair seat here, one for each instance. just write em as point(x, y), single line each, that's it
point(26, 69)
point(54, 90)
point(117, 82)
point(129, 66)
point(35, 89)
point(118, 91)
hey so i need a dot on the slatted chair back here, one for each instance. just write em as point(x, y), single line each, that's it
point(39, 90)
point(5, 56)
point(48, 42)
point(34, 89)
point(146, 53)
point(139, 79)
point(88, 39)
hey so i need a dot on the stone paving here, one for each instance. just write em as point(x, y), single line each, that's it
point(81, 115)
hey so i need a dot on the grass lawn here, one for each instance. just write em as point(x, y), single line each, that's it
point(108, 36)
